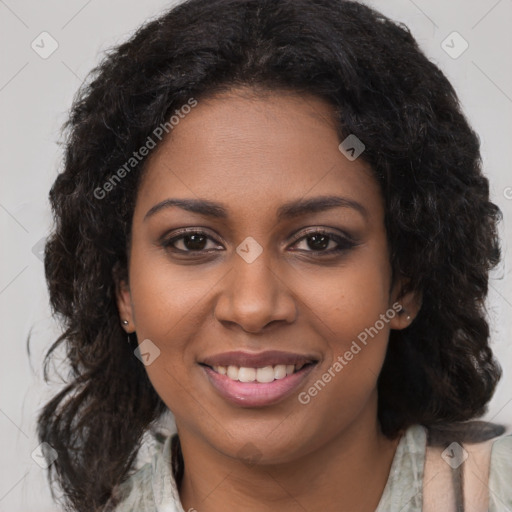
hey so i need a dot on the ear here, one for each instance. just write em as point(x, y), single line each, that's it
point(406, 302)
point(124, 299)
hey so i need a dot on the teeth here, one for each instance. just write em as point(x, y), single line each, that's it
point(280, 371)
point(232, 372)
point(246, 374)
point(263, 375)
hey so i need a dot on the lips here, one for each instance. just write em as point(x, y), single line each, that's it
point(256, 380)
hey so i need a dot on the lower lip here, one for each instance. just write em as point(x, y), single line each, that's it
point(256, 394)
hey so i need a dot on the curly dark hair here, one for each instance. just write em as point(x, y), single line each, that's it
point(440, 224)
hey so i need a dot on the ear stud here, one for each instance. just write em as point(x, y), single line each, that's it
point(125, 322)
point(408, 316)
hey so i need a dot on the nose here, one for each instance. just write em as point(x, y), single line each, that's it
point(253, 296)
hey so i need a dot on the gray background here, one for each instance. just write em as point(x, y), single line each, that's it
point(35, 94)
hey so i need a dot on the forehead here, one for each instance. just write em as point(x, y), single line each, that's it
point(253, 151)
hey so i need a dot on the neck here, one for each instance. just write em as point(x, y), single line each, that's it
point(348, 472)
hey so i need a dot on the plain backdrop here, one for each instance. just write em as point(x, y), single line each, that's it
point(35, 94)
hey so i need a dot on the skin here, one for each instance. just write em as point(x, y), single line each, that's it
point(253, 152)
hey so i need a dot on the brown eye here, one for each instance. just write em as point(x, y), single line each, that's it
point(193, 241)
point(323, 242)
point(318, 242)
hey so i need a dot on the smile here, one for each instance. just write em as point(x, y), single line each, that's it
point(257, 380)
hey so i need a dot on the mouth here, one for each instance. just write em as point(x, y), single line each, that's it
point(257, 380)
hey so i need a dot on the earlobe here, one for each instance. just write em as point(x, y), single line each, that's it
point(409, 306)
point(124, 305)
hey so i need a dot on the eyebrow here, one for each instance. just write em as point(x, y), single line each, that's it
point(288, 210)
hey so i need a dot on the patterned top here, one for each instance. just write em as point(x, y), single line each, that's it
point(153, 489)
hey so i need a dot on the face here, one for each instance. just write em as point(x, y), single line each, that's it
point(276, 262)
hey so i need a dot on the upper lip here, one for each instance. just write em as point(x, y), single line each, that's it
point(257, 360)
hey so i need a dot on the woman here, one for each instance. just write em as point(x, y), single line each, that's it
point(272, 222)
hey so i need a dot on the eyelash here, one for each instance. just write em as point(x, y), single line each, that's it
point(344, 243)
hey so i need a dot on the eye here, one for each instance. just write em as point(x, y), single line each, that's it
point(317, 241)
point(191, 241)
point(324, 242)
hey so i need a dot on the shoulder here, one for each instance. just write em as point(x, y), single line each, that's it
point(135, 494)
point(152, 487)
point(469, 461)
point(500, 474)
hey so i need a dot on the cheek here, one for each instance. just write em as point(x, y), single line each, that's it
point(354, 315)
point(349, 299)
point(169, 304)
point(165, 296)
point(361, 297)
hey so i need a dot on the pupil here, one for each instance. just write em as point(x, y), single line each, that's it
point(319, 242)
point(194, 242)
